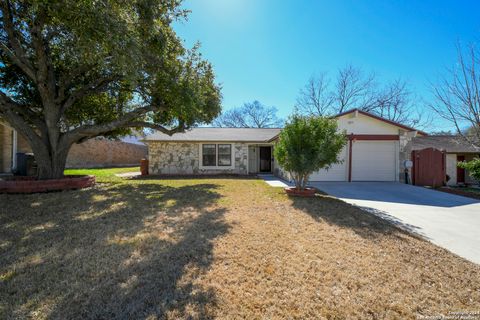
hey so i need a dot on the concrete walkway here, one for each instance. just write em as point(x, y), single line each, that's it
point(128, 174)
point(273, 181)
point(450, 221)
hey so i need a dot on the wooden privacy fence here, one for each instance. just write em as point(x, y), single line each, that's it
point(429, 167)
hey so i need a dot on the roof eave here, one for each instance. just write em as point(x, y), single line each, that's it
point(394, 123)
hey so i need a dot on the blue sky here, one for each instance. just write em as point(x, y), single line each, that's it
point(266, 50)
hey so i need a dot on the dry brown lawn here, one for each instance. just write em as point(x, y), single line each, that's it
point(216, 248)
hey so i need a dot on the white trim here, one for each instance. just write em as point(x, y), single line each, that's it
point(248, 159)
point(216, 167)
point(397, 161)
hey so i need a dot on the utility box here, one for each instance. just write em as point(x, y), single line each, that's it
point(26, 165)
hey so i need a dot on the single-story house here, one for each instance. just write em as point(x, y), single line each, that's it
point(374, 152)
point(456, 149)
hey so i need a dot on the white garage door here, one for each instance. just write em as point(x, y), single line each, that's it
point(338, 172)
point(374, 161)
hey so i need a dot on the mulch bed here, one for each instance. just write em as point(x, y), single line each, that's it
point(460, 192)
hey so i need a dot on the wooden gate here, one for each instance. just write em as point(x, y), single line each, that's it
point(429, 167)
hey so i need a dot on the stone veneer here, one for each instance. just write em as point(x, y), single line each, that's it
point(183, 158)
point(405, 139)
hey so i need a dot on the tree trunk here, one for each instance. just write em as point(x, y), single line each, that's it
point(50, 162)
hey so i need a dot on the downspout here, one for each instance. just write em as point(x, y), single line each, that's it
point(14, 150)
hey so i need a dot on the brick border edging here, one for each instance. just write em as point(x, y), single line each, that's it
point(34, 186)
point(307, 192)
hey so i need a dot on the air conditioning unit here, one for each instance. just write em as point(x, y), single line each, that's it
point(26, 165)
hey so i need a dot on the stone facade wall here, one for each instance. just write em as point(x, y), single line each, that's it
point(183, 158)
point(405, 153)
point(451, 169)
point(96, 153)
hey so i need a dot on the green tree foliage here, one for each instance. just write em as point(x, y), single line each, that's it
point(308, 144)
point(473, 167)
point(71, 70)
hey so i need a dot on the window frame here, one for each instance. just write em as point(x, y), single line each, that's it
point(218, 154)
point(215, 163)
point(217, 166)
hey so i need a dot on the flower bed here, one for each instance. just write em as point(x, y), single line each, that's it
point(307, 192)
point(32, 185)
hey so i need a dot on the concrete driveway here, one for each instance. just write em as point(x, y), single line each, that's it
point(450, 221)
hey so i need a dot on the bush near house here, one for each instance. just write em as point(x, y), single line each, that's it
point(473, 167)
point(308, 144)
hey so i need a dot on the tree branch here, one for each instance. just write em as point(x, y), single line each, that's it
point(16, 53)
point(95, 86)
point(127, 120)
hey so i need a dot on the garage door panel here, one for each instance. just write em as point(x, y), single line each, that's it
point(337, 172)
point(374, 161)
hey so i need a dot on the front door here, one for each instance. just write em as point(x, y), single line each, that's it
point(265, 159)
point(460, 171)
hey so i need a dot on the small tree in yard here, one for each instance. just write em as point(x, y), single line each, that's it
point(308, 144)
point(473, 168)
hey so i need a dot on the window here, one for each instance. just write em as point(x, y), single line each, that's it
point(216, 155)
point(225, 155)
point(209, 155)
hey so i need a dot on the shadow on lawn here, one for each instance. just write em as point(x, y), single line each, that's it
point(337, 212)
point(125, 251)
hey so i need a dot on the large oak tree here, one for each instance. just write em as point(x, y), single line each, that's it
point(72, 70)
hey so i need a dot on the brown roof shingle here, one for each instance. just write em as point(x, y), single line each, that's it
point(452, 144)
point(218, 134)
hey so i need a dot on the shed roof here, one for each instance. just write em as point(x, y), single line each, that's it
point(218, 134)
point(449, 143)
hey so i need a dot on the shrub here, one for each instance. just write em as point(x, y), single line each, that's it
point(473, 167)
point(308, 144)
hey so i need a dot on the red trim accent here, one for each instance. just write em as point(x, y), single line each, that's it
point(381, 119)
point(350, 159)
point(379, 137)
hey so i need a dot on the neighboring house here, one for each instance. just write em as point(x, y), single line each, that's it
point(10, 144)
point(100, 152)
point(96, 152)
point(374, 151)
point(457, 150)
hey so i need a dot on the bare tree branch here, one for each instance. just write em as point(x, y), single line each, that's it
point(316, 98)
point(354, 89)
point(457, 96)
point(250, 115)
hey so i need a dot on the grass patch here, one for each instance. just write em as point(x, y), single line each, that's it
point(225, 248)
point(103, 174)
point(472, 190)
